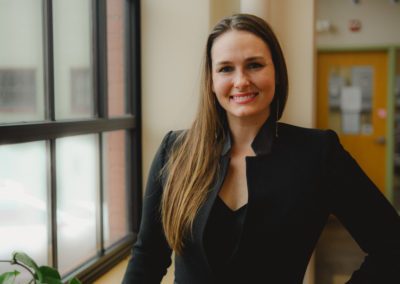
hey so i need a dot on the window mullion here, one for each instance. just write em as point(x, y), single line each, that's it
point(50, 115)
point(48, 59)
point(132, 83)
point(100, 199)
point(100, 57)
point(52, 203)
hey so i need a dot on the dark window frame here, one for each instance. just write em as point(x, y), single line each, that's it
point(50, 129)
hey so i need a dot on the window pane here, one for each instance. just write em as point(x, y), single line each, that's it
point(114, 187)
point(77, 186)
point(115, 49)
point(21, 68)
point(23, 206)
point(73, 84)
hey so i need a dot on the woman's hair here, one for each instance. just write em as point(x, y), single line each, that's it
point(193, 163)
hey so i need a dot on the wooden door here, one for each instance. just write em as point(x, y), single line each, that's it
point(351, 99)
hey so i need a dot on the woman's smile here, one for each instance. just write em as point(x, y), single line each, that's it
point(244, 98)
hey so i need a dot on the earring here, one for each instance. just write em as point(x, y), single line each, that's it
point(277, 117)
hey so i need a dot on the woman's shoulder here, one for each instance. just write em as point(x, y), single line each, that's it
point(172, 137)
point(304, 135)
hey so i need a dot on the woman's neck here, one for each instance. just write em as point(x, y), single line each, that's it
point(243, 132)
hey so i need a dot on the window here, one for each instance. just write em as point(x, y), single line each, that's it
point(70, 143)
point(17, 90)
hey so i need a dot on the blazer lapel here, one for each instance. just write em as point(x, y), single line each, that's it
point(201, 219)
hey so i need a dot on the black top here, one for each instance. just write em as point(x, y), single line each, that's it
point(292, 191)
point(222, 235)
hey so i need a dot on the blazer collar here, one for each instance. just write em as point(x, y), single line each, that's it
point(261, 144)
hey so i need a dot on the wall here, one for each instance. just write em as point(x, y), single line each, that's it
point(173, 36)
point(293, 21)
point(380, 20)
point(222, 8)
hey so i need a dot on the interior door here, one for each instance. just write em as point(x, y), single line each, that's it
point(351, 100)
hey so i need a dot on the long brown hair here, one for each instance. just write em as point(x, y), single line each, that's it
point(193, 163)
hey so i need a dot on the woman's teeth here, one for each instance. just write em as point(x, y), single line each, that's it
point(243, 98)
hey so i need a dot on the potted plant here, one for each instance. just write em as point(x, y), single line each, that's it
point(40, 275)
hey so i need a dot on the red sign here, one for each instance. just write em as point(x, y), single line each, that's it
point(354, 25)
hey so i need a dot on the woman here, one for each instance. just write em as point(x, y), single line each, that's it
point(241, 198)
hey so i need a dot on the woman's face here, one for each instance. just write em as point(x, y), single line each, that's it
point(243, 75)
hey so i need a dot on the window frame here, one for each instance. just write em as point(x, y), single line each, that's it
point(50, 129)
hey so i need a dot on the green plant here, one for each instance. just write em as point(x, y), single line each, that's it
point(40, 275)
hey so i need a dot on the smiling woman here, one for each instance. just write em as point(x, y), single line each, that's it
point(243, 197)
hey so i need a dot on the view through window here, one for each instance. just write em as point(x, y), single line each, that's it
point(70, 187)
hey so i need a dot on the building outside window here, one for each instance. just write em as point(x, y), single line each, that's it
point(70, 165)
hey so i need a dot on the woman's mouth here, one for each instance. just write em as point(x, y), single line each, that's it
point(244, 98)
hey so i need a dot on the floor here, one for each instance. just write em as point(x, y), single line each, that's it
point(337, 255)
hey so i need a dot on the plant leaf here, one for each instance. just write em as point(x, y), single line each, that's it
point(50, 280)
point(25, 259)
point(8, 277)
point(74, 281)
point(49, 272)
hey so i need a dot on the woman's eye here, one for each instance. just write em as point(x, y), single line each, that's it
point(225, 69)
point(255, 65)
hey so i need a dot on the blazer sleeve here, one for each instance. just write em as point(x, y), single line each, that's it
point(151, 254)
point(366, 214)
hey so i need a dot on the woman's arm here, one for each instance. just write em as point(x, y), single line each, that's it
point(366, 214)
point(151, 254)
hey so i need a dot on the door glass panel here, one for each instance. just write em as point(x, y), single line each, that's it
point(77, 186)
point(350, 99)
point(21, 61)
point(23, 202)
point(73, 83)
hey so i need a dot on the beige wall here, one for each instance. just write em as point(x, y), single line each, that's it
point(293, 21)
point(173, 35)
point(222, 8)
point(380, 22)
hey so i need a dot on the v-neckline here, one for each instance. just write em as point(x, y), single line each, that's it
point(230, 209)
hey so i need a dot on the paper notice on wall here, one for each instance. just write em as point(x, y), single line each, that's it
point(363, 77)
point(335, 86)
point(351, 105)
point(350, 99)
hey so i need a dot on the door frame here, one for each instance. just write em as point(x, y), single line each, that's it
point(391, 51)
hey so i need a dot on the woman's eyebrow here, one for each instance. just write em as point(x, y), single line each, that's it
point(252, 58)
point(255, 58)
point(223, 62)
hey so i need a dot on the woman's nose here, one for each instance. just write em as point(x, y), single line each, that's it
point(241, 81)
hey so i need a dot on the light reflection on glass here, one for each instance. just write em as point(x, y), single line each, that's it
point(77, 186)
point(72, 32)
point(23, 208)
point(21, 61)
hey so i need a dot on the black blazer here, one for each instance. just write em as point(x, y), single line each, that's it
point(305, 177)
